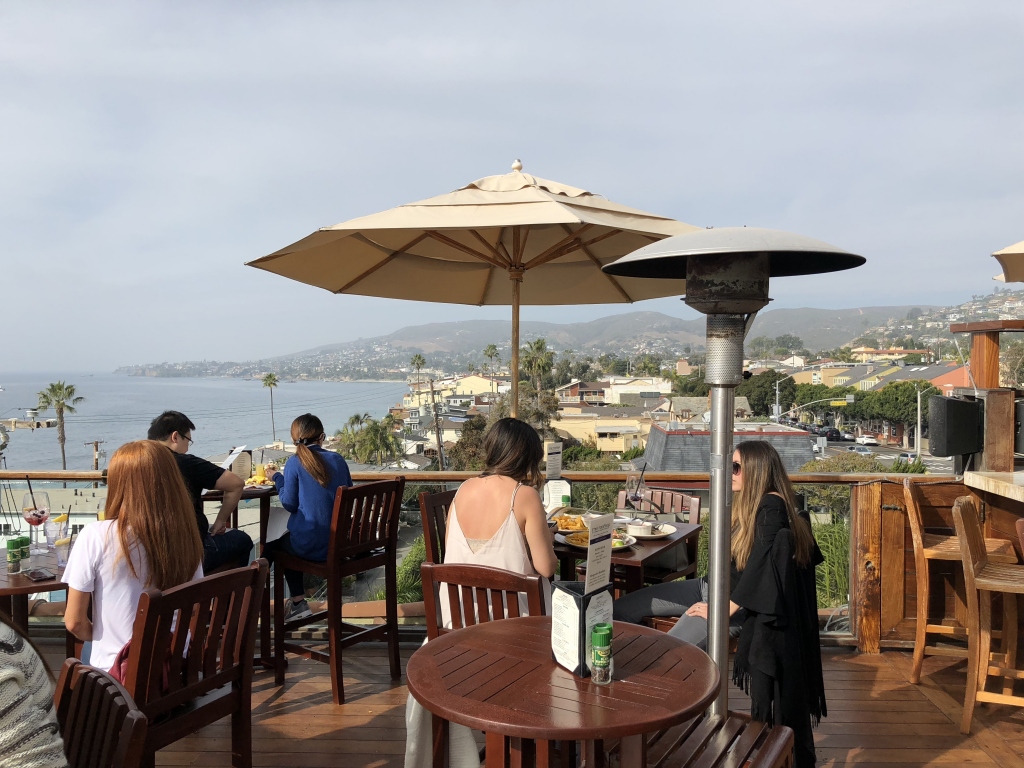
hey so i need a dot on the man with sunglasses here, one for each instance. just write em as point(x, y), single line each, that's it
point(222, 546)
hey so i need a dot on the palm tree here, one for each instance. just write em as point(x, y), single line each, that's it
point(270, 381)
point(61, 397)
point(491, 353)
point(357, 421)
point(378, 440)
point(538, 360)
point(417, 362)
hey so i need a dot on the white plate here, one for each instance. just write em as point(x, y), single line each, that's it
point(569, 539)
point(664, 529)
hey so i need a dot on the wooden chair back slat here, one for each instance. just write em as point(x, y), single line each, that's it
point(972, 540)
point(434, 516)
point(474, 583)
point(101, 725)
point(219, 621)
point(365, 518)
point(453, 599)
point(1020, 534)
point(219, 640)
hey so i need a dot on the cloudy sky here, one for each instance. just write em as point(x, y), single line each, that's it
point(147, 150)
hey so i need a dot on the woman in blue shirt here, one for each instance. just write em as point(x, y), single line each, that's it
point(306, 489)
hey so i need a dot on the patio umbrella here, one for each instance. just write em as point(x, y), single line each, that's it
point(548, 239)
point(1011, 259)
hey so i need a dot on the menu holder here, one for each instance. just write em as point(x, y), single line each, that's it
point(578, 606)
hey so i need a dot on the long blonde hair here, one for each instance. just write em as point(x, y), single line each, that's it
point(148, 499)
point(763, 473)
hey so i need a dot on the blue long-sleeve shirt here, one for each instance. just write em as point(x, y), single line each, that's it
point(311, 505)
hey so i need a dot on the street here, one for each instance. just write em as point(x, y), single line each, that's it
point(935, 465)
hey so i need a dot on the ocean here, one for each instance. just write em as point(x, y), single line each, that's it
point(227, 412)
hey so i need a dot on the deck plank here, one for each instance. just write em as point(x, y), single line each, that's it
point(876, 717)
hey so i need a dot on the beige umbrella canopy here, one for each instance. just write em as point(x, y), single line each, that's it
point(510, 240)
point(1011, 259)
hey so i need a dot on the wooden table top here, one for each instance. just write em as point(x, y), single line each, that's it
point(639, 552)
point(499, 677)
point(20, 584)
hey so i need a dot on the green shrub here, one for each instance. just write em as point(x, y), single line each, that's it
point(833, 575)
point(410, 583)
point(632, 453)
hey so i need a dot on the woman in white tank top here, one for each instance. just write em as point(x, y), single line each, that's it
point(496, 520)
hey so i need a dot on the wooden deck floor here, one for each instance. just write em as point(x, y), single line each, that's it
point(876, 718)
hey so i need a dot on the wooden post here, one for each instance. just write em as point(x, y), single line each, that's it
point(985, 359)
point(517, 281)
point(866, 507)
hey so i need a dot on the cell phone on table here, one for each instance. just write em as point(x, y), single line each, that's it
point(41, 574)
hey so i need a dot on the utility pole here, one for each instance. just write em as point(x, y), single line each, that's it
point(95, 456)
point(917, 433)
point(437, 427)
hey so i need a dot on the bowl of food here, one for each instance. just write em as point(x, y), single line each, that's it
point(581, 539)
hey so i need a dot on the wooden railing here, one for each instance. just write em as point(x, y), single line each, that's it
point(882, 579)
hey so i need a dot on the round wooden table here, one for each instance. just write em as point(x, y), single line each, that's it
point(499, 677)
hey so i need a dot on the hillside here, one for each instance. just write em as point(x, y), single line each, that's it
point(827, 328)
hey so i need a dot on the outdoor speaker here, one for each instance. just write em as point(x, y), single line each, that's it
point(954, 426)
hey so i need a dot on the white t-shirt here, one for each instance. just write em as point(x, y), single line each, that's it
point(96, 566)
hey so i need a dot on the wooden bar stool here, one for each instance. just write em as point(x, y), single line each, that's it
point(931, 546)
point(983, 577)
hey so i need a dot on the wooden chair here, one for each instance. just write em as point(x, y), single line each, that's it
point(983, 577)
point(717, 742)
point(1020, 533)
point(101, 724)
point(193, 645)
point(931, 546)
point(685, 507)
point(434, 515)
point(364, 536)
point(493, 594)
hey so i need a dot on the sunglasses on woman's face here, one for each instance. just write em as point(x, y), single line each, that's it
point(736, 468)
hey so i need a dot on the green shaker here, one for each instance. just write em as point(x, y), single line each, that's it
point(26, 546)
point(14, 555)
point(601, 650)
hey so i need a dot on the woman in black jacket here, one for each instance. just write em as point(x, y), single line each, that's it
point(773, 606)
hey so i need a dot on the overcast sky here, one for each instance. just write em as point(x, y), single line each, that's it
point(150, 149)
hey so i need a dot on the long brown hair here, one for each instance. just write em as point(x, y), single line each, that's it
point(307, 430)
point(763, 473)
point(148, 499)
point(513, 449)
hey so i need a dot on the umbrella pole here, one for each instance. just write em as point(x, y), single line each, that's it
point(517, 281)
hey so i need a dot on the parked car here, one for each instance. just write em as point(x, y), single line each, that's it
point(848, 436)
point(868, 440)
point(906, 456)
point(831, 433)
point(861, 450)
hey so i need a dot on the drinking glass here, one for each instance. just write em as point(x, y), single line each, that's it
point(35, 508)
point(635, 488)
point(55, 528)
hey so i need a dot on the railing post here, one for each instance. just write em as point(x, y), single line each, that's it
point(866, 508)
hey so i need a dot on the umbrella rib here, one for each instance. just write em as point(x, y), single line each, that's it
point(557, 249)
point(488, 246)
point(464, 248)
point(390, 255)
point(597, 263)
point(487, 284)
point(522, 245)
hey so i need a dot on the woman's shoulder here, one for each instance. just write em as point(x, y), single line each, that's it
point(773, 508)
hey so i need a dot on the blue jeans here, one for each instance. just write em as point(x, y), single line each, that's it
point(672, 599)
point(292, 578)
point(231, 548)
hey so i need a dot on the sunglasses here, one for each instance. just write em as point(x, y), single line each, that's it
point(736, 467)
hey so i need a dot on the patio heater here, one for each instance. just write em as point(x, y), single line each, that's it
point(727, 272)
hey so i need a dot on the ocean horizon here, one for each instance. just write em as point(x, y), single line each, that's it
point(228, 412)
